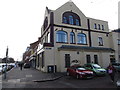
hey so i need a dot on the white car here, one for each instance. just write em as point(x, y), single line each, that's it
point(0, 68)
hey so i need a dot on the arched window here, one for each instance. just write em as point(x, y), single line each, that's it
point(72, 37)
point(81, 38)
point(61, 36)
point(71, 20)
point(77, 22)
point(64, 20)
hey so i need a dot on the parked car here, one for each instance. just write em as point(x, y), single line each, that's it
point(116, 66)
point(26, 65)
point(79, 72)
point(97, 70)
point(0, 68)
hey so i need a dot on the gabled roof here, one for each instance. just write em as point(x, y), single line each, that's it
point(70, 3)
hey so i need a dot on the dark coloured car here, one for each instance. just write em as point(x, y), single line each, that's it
point(116, 66)
point(97, 70)
point(26, 65)
point(79, 72)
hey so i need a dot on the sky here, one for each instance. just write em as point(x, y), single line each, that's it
point(21, 20)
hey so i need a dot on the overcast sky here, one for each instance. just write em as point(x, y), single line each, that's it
point(21, 20)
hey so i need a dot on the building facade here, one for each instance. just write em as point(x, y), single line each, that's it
point(67, 35)
point(115, 44)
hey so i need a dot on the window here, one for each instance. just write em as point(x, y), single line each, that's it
point(61, 36)
point(95, 26)
point(99, 26)
point(102, 27)
point(72, 37)
point(64, 20)
point(81, 38)
point(48, 38)
point(88, 59)
point(71, 20)
point(77, 22)
point(45, 23)
point(100, 41)
point(118, 41)
point(95, 59)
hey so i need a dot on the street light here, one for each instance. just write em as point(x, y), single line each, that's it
point(6, 62)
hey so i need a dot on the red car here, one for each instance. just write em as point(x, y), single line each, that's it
point(79, 72)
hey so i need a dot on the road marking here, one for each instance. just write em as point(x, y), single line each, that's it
point(28, 75)
point(14, 80)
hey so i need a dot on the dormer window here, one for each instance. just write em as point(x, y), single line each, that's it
point(71, 18)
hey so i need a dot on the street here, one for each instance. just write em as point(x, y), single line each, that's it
point(25, 78)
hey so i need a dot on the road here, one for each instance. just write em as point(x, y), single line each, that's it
point(24, 79)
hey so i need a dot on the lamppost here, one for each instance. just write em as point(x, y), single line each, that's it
point(6, 63)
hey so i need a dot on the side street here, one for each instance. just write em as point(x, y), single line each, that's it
point(31, 78)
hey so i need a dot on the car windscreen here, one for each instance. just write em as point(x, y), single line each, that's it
point(116, 64)
point(81, 68)
point(96, 66)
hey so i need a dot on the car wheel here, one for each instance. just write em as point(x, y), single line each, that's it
point(77, 76)
point(68, 74)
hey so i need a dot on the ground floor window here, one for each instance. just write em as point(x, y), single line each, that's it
point(112, 58)
point(95, 59)
point(38, 58)
point(67, 60)
point(42, 59)
point(88, 59)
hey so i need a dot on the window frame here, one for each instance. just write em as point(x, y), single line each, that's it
point(100, 41)
point(61, 34)
point(72, 38)
point(71, 21)
point(83, 38)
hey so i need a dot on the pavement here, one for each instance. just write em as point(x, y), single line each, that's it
point(29, 75)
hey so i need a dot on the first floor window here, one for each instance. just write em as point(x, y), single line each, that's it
point(100, 41)
point(61, 36)
point(72, 37)
point(81, 38)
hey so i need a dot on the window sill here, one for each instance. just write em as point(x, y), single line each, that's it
point(72, 43)
point(62, 42)
point(81, 44)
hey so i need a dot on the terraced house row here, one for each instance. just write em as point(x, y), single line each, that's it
point(67, 35)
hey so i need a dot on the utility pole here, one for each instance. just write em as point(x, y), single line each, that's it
point(6, 63)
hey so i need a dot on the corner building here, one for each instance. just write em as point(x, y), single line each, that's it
point(67, 35)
